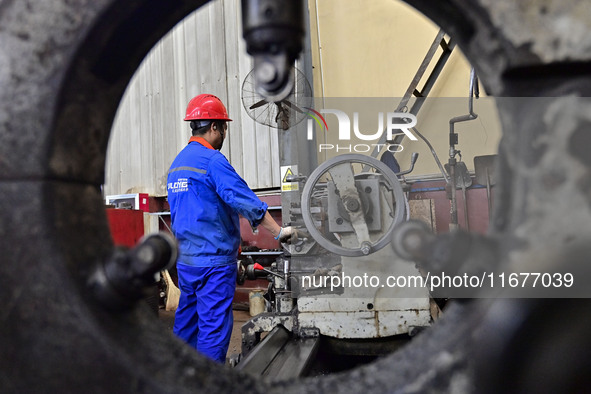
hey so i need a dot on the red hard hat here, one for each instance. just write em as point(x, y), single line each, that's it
point(206, 107)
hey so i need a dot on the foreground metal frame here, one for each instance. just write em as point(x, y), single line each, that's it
point(64, 65)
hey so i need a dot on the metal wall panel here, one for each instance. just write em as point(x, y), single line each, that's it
point(205, 53)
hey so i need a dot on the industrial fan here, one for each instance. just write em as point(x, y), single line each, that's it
point(282, 114)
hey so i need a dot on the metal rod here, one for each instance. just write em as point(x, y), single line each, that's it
point(430, 82)
point(466, 221)
point(453, 223)
point(463, 118)
point(433, 153)
point(412, 88)
point(452, 147)
point(488, 195)
point(165, 225)
point(439, 65)
point(263, 253)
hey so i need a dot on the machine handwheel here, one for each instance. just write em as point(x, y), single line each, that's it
point(363, 201)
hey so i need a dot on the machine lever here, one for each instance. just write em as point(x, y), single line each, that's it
point(413, 159)
point(259, 267)
point(118, 282)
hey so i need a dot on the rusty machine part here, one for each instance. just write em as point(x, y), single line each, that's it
point(64, 65)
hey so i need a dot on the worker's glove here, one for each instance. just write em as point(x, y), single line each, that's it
point(287, 234)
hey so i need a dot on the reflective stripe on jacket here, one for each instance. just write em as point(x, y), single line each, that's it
point(206, 195)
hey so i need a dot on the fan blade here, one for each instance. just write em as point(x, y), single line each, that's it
point(259, 104)
point(292, 105)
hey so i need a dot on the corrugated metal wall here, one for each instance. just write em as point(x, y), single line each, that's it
point(205, 53)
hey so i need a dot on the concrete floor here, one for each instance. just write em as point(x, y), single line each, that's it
point(240, 317)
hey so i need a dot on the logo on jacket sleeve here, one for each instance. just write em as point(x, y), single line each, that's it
point(181, 185)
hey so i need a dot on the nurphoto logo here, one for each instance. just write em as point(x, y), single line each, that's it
point(396, 123)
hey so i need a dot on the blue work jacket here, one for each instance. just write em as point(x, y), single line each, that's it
point(206, 195)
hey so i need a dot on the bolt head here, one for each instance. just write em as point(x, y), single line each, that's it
point(352, 205)
point(365, 248)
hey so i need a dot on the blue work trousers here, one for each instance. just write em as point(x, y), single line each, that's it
point(204, 317)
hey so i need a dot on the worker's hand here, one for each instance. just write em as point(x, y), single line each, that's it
point(287, 234)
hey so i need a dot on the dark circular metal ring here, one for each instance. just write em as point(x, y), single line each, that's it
point(64, 66)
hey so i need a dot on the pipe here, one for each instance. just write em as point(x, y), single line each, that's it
point(464, 118)
point(414, 129)
point(453, 223)
point(453, 140)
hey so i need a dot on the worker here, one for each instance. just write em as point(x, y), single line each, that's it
point(206, 196)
